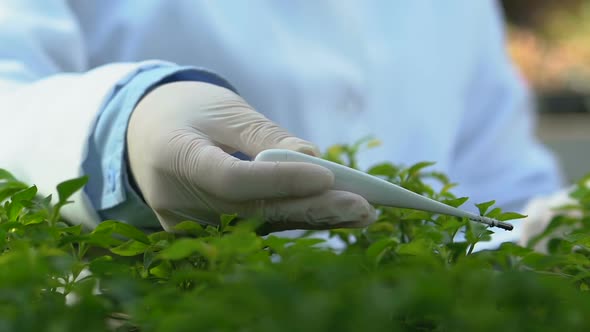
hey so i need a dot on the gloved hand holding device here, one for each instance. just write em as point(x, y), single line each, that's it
point(180, 140)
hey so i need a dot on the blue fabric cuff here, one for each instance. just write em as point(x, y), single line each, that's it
point(108, 188)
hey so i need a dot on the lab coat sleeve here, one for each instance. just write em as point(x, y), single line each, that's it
point(108, 188)
point(496, 143)
point(49, 99)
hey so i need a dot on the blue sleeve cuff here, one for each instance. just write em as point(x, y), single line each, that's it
point(108, 187)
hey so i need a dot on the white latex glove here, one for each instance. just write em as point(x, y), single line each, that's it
point(540, 211)
point(179, 142)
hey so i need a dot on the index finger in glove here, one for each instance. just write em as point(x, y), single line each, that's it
point(236, 180)
point(226, 118)
point(331, 209)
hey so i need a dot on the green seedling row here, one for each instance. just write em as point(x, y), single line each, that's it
point(406, 272)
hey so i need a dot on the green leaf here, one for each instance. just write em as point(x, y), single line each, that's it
point(580, 192)
point(76, 229)
point(180, 249)
point(130, 248)
point(162, 270)
point(190, 227)
point(418, 247)
point(514, 249)
point(567, 208)
point(106, 265)
point(477, 232)
point(381, 226)
point(5, 175)
point(384, 169)
point(212, 230)
point(414, 169)
point(579, 239)
point(451, 224)
point(367, 141)
point(456, 202)
point(32, 219)
point(334, 154)
point(417, 215)
point(276, 243)
point(510, 216)
point(379, 248)
point(495, 213)
point(483, 207)
point(559, 246)
point(149, 256)
point(226, 219)
point(373, 143)
point(301, 243)
point(457, 249)
point(447, 187)
point(25, 194)
point(441, 177)
point(100, 239)
point(9, 189)
point(430, 233)
point(67, 188)
point(584, 181)
point(109, 227)
point(556, 223)
point(14, 211)
point(162, 236)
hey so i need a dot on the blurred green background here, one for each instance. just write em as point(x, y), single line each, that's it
point(550, 43)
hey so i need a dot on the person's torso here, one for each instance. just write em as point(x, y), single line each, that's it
point(329, 71)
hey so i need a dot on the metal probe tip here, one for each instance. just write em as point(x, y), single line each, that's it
point(494, 223)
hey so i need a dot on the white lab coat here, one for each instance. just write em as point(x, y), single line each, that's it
point(429, 78)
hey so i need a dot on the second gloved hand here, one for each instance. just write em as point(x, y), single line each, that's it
point(179, 142)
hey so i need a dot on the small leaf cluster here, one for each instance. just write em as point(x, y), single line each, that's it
point(409, 271)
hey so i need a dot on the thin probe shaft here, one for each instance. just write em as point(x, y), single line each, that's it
point(376, 190)
point(493, 223)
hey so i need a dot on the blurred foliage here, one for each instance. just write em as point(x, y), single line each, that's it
point(407, 272)
point(550, 42)
point(534, 14)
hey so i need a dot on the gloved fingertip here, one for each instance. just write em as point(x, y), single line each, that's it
point(370, 217)
point(299, 145)
point(363, 213)
point(311, 150)
point(317, 178)
point(345, 207)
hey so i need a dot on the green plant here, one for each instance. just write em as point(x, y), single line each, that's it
point(406, 272)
